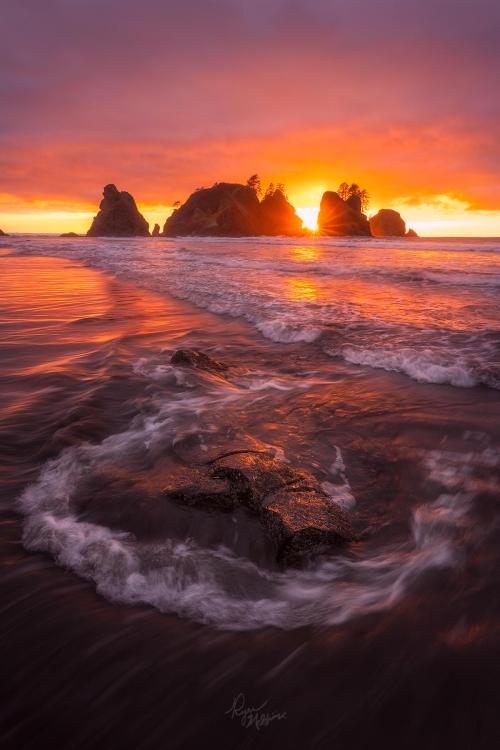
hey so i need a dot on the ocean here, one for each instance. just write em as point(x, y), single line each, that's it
point(374, 365)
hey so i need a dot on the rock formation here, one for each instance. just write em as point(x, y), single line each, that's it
point(196, 359)
point(69, 234)
point(118, 216)
point(411, 233)
point(278, 217)
point(296, 513)
point(387, 223)
point(156, 231)
point(226, 209)
point(233, 210)
point(3, 234)
point(338, 218)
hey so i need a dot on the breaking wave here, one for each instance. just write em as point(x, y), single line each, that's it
point(213, 585)
point(409, 298)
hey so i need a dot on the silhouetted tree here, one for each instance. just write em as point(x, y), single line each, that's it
point(254, 182)
point(343, 191)
point(347, 191)
point(176, 204)
point(364, 195)
point(273, 189)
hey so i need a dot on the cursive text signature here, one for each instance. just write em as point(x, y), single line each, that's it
point(253, 717)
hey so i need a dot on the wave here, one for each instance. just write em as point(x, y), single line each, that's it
point(419, 366)
point(213, 585)
point(285, 333)
point(296, 291)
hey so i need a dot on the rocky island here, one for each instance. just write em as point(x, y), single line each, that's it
point(233, 210)
point(118, 216)
point(389, 223)
point(339, 218)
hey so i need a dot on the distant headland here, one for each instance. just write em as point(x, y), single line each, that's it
point(230, 209)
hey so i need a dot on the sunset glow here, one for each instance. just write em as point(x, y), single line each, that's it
point(309, 215)
point(413, 144)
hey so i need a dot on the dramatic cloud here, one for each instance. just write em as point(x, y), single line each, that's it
point(161, 97)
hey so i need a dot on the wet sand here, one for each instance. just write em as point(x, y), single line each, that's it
point(84, 354)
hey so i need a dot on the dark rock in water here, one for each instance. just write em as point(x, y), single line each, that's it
point(388, 223)
point(69, 234)
point(298, 515)
point(118, 216)
point(226, 209)
point(3, 234)
point(156, 231)
point(411, 233)
point(253, 475)
point(339, 218)
point(197, 488)
point(197, 359)
point(304, 523)
point(278, 217)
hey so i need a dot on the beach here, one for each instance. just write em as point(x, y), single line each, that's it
point(373, 365)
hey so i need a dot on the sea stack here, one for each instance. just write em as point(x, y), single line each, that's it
point(118, 216)
point(3, 234)
point(388, 223)
point(233, 210)
point(226, 209)
point(277, 216)
point(339, 218)
point(156, 231)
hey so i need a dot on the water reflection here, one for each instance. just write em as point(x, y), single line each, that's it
point(306, 253)
point(301, 290)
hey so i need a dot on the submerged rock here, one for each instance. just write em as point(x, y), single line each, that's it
point(118, 216)
point(69, 234)
point(300, 518)
point(339, 218)
point(156, 231)
point(3, 234)
point(388, 223)
point(196, 359)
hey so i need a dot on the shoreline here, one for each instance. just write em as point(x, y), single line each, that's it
point(65, 639)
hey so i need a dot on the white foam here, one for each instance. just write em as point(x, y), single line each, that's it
point(286, 333)
point(420, 366)
point(296, 291)
point(216, 587)
point(340, 490)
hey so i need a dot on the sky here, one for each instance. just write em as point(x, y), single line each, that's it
point(161, 97)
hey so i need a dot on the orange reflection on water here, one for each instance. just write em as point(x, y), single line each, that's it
point(301, 290)
point(306, 253)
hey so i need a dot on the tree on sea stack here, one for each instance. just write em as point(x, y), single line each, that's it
point(355, 195)
point(254, 182)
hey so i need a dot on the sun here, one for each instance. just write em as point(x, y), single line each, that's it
point(309, 215)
